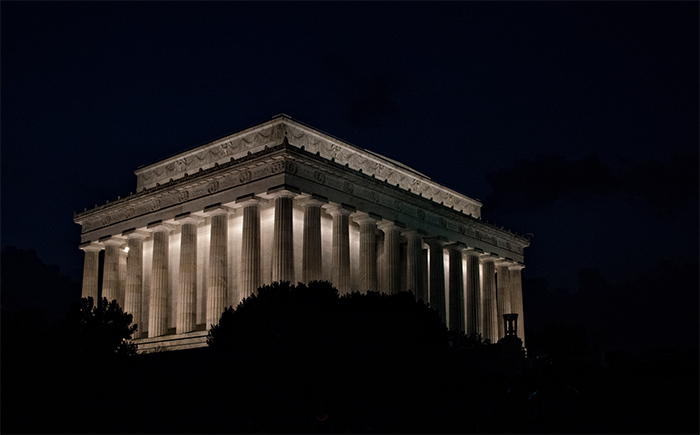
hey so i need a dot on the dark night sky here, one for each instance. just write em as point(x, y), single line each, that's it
point(577, 122)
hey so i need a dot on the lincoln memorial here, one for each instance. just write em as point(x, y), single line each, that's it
point(282, 201)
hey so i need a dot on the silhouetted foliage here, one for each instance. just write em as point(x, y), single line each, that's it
point(460, 340)
point(99, 330)
point(363, 355)
point(30, 285)
point(559, 339)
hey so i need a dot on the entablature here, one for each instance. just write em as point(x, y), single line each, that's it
point(313, 174)
point(281, 128)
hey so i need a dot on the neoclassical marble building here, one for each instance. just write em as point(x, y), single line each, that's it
point(282, 201)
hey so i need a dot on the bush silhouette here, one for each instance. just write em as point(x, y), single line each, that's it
point(362, 358)
point(98, 330)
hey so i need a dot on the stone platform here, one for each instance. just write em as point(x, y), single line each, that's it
point(190, 340)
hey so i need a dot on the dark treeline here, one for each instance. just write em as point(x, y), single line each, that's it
point(301, 359)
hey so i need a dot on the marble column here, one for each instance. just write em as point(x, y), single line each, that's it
point(186, 320)
point(503, 294)
point(91, 270)
point(134, 278)
point(158, 304)
point(341, 247)
point(425, 275)
point(312, 259)
point(489, 308)
point(516, 297)
point(122, 276)
point(414, 269)
point(217, 273)
point(250, 273)
point(474, 292)
point(437, 275)
point(456, 287)
point(110, 278)
point(392, 257)
point(283, 236)
point(368, 250)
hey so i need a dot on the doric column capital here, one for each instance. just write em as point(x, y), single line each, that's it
point(248, 200)
point(413, 232)
point(516, 266)
point(159, 227)
point(113, 240)
point(92, 246)
point(387, 225)
point(135, 234)
point(435, 240)
point(456, 246)
point(216, 210)
point(187, 218)
point(474, 252)
point(361, 217)
point(339, 209)
point(486, 258)
point(314, 201)
point(284, 191)
point(503, 262)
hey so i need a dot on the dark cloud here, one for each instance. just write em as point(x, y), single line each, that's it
point(657, 308)
point(368, 95)
point(665, 188)
point(528, 185)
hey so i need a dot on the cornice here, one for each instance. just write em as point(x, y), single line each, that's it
point(274, 132)
point(338, 176)
point(288, 159)
point(203, 183)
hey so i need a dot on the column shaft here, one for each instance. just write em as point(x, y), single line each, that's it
point(312, 255)
point(503, 295)
point(437, 276)
point(187, 292)
point(341, 248)
point(516, 298)
point(110, 279)
point(490, 319)
point(414, 269)
point(134, 280)
point(121, 295)
point(91, 271)
point(158, 304)
point(250, 271)
point(283, 238)
point(473, 317)
point(368, 251)
point(456, 288)
point(217, 277)
point(392, 257)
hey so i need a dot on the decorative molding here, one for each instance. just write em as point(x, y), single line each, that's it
point(284, 130)
point(305, 165)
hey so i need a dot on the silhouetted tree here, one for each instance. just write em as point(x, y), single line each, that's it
point(559, 339)
point(365, 359)
point(99, 330)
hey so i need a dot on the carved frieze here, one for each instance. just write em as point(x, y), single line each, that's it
point(348, 187)
point(274, 132)
point(320, 177)
point(245, 177)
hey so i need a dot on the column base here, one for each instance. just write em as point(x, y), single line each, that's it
point(188, 340)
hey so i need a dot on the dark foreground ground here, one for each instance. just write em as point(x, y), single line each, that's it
point(200, 391)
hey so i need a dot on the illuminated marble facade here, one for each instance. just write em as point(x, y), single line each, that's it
point(283, 201)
